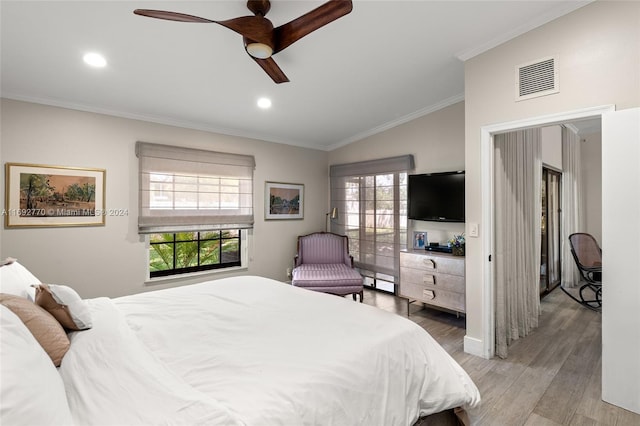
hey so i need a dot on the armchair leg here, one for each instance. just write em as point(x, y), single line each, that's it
point(361, 295)
point(354, 296)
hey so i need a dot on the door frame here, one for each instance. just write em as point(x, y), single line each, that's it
point(549, 170)
point(487, 179)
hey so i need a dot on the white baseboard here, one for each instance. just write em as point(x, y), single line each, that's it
point(474, 346)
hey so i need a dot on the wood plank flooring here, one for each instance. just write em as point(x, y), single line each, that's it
point(552, 377)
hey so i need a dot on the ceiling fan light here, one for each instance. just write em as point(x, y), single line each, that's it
point(259, 50)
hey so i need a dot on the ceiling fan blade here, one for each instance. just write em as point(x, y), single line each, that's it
point(271, 68)
point(256, 28)
point(170, 16)
point(287, 34)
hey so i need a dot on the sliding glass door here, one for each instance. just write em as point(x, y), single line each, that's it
point(371, 200)
point(376, 223)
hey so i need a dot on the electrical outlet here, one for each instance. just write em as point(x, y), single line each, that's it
point(473, 229)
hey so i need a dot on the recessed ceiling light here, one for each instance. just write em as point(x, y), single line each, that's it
point(95, 60)
point(264, 103)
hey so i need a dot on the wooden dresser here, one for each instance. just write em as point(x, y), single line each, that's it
point(433, 278)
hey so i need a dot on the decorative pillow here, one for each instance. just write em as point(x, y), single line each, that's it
point(44, 327)
point(7, 261)
point(65, 305)
point(31, 390)
point(17, 280)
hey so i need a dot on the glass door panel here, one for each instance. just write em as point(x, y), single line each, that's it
point(550, 263)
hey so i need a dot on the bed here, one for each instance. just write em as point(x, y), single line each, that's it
point(248, 351)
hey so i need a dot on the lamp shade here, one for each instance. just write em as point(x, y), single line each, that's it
point(333, 214)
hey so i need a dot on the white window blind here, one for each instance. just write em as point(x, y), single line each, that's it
point(184, 189)
point(371, 197)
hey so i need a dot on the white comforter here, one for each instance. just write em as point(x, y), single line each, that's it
point(254, 351)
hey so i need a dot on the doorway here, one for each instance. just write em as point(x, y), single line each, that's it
point(485, 347)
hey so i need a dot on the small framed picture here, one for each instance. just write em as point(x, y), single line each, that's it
point(419, 239)
point(283, 201)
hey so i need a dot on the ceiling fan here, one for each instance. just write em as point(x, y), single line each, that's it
point(261, 39)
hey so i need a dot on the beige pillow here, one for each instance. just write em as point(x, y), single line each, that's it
point(44, 327)
point(65, 305)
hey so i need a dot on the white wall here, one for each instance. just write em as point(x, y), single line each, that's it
point(551, 146)
point(110, 260)
point(591, 161)
point(598, 47)
point(436, 141)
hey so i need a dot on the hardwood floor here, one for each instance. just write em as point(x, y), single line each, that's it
point(552, 377)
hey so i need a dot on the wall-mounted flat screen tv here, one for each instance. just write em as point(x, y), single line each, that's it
point(436, 197)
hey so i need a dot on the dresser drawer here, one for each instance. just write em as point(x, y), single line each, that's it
point(441, 264)
point(433, 295)
point(453, 283)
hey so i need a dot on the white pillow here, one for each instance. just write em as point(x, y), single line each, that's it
point(65, 305)
point(32, 391)
point(17, 280)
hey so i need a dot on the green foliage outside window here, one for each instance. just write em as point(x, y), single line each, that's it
point(193, 251)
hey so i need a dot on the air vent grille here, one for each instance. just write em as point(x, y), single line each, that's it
point(537, 78)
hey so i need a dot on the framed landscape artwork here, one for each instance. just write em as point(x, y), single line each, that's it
point(43, 196)
point(283, 201)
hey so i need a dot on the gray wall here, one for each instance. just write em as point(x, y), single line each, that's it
point(110, 260)
point(591, 155)
point(436, 141)
point(598, 47)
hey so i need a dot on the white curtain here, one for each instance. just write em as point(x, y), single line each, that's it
point(518, 211)
point(572, 207)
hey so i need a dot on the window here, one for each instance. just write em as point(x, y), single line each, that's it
point(185, 252)
point(371, 198)
point(195, 205)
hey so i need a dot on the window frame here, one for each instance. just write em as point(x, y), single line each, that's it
point(243, 249)
point(199, 239)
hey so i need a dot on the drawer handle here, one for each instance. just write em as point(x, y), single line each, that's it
point(428, 294)
point(429, 279)
point(429, 264)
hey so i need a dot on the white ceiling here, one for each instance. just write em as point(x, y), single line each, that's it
point(383, 64)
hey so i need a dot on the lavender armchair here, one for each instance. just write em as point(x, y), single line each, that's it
point(323, 263)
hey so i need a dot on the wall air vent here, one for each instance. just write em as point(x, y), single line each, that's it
point(538, 78)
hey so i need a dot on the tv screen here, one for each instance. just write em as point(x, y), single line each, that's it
point(436, 197)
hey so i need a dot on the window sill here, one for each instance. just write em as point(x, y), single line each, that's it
point(200, 274)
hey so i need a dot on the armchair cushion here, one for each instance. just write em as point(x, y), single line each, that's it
point(331, 278)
